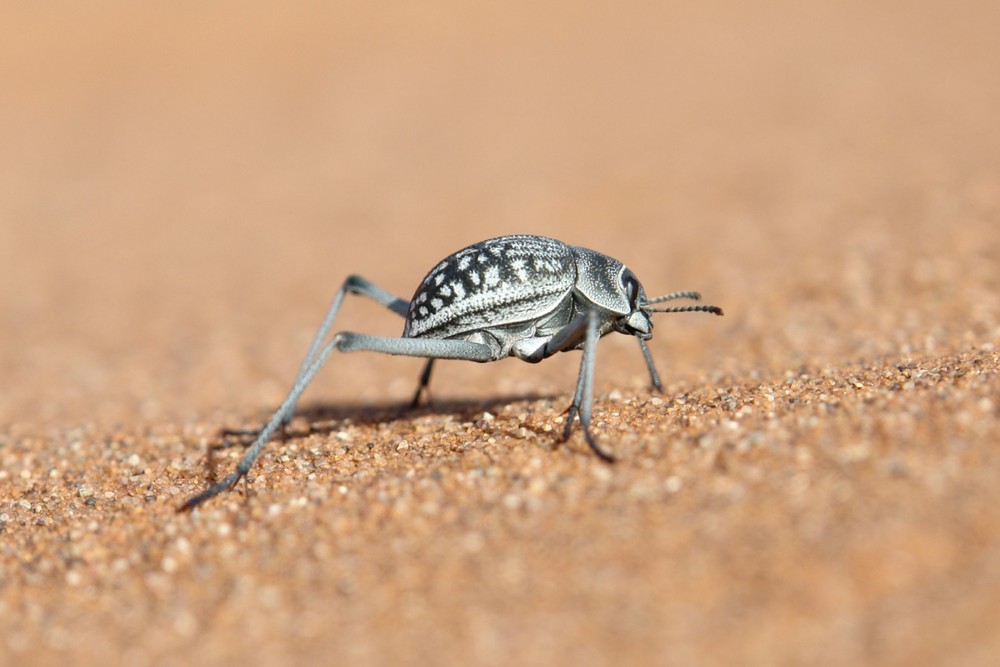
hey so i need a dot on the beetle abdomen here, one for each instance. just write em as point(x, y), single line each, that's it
point(491, 284)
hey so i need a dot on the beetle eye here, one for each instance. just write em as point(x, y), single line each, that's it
point(631, 288)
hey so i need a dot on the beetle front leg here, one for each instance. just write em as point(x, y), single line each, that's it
point(583, 396)
point(654, 377)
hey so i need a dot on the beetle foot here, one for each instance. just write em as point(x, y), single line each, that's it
point(597, 449)
point(571, 414)
point(420, 393)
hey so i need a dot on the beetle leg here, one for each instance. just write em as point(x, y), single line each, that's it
point(653, 375)
point(425, 378)
point(353, 285)
point(586, 327)
point(348, 342)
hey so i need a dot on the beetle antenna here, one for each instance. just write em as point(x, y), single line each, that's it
point(675, 295)
point(715, 310)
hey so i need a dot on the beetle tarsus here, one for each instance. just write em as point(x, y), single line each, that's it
point(573, 412)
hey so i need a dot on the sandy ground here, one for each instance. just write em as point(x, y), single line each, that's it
point(183, 186)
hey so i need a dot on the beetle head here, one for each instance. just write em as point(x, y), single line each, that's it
point(612, 287)
point(638, 322)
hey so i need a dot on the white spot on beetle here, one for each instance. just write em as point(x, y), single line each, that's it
point(545, 265)
point(518, 266)
point(436, 303)
point(492, 276)
point(459, 289)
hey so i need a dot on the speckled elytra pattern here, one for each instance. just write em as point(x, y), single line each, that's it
point(494, 283)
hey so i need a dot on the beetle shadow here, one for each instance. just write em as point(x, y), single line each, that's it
point(325, 418)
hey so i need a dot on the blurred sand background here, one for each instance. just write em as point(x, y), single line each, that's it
point(184, 185)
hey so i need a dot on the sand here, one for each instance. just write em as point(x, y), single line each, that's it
point(184, 187)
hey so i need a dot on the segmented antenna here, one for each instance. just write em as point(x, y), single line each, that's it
point(715, 310)
point(675, 295)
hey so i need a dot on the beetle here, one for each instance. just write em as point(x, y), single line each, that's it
point(518, 295)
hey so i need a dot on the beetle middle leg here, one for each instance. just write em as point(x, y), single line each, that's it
point(422, 386)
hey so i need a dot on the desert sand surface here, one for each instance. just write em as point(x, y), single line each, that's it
point(184, 186)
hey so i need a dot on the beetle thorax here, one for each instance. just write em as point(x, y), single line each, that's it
point(613, 289)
